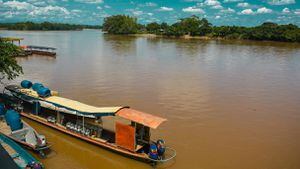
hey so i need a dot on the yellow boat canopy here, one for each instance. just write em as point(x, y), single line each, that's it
point(72, 105)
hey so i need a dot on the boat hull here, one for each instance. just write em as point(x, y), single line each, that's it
point(108, 146)
point(24, 155)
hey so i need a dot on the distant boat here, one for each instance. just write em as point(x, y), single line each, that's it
point(39, 50)
point(85, 122)
point(13, 156)
point(18, 130)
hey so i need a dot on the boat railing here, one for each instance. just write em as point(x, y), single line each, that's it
point(170, 154)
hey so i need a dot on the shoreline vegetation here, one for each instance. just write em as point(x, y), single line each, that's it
point(199, 28)
point(191, 27)
point(45, 26)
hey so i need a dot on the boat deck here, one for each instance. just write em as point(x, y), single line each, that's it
point(4, 128)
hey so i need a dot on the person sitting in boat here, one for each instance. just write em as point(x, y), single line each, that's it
point(160, 148)
point(153, 152)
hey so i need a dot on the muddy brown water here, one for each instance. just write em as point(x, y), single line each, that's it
point(229, 105)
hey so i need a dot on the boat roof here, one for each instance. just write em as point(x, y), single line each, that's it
point(125, 112)
point(41, 47)
point(68, 103)
point(141, 117)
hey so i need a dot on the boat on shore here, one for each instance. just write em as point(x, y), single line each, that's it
point(12, 126)
point(14, 156)
point(131, 136)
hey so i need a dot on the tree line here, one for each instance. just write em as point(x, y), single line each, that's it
point(195, 26)
point(45, 26)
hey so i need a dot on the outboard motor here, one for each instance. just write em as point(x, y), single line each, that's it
point(41, 140)
point(34, 165)
point(153, 152)
point(160, 147)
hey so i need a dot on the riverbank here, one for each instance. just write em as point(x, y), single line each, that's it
point(204, 38)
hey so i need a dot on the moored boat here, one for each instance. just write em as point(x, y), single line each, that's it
point(12, 126)
point(39, 50)
point(130, 136)
point(14, 156)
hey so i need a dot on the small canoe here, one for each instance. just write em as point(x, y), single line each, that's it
point(14, 156)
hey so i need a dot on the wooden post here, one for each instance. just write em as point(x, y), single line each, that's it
point(58, 117)
point(83, 123)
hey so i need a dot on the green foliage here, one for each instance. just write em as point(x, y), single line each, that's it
point(153, 28)
point(193, 26)
point(9, 67)
point(44, 26)
point(266, 31)
point(120, 24)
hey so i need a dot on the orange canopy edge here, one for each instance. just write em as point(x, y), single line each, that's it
point(140, 117)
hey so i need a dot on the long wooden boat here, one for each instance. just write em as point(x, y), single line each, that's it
point(130, 138)
point(15, 157)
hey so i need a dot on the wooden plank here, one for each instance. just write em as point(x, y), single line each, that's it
point(125, 136)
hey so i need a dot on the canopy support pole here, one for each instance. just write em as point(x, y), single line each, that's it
point(83, 122)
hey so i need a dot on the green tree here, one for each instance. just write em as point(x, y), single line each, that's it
point(9, 68)
point(120, 24)
point(153, 27)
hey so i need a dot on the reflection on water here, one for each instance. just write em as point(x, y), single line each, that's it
point(229, 104)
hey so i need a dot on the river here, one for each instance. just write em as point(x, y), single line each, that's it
point(229, 104)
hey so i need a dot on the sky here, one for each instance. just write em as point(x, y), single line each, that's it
point(92, 12)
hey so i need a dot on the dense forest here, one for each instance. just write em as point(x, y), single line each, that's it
point(195, 26)
point(45, 26)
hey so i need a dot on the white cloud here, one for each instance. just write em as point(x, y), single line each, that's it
point(90, 1)
point(217, 7)
point(281, 2)
point(107, 6)
point(137, 13)
point(99, 7)
point(152, 4)
point(150, 14)
point(212, 2)
point(243, 5)
point(228, 1)
point(193, 10)
point(228, 10)
point(25, 9)
point(53, 10)
point(163, 8)
point(16, 5)
point(193, 0)
point(218, 17)
point(297, 12)
point(264, 10)
point(286, 10)
point(248, 12)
